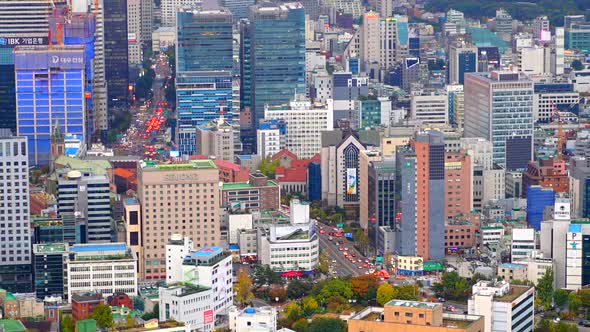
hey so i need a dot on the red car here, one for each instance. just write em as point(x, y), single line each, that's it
point(322, 231)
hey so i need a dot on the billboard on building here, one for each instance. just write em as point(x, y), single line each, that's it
point(47, 58)
point(11, 42)
point(351, 182)
point(562, 210)
point(208, 316)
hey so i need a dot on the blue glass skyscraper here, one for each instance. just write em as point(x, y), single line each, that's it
point(50, 86)
point(204, 65)
point(276, 55)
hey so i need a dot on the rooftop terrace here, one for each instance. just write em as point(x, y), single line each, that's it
point(193, 164)
point(513, 293)
point(244, 185)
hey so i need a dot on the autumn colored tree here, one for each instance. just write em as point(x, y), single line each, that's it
point(362, 284)
point(385, 293)
point(310, 306)
point(277, 292)
point(243, 288)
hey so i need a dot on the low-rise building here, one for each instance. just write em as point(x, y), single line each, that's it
point(262, 319)
point(19, 306)
point(503, 307)
point(105, 268)
point(259, 193)
point(460, 234)
point(409, 265)
point(231, 172)
point(511, 271)
point(523, 243)
point(189, 304)
point(83, 304)
point(290, 246)
point(537, 266)
point(406, 316)
point(492, 234)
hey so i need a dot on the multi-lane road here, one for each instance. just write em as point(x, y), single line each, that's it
point(339, 264)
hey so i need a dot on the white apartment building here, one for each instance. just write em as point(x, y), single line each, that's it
point(304, 126)
point(534, 60)
point(269, 142)
point(523, 243)
point(208, 267)
point(492, 234)
point(537, 266)
point(105, 268)
point(169, 9)
point(430, 108)
point(14, 201)
point(189, 304)
point(321, 83)
point(370, 46)
point(290, 247)
point(504, 307)
point(262, 319)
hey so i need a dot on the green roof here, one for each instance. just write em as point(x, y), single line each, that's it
point(86, 325)
point(243, 185)
point(193, 164)
point(51, 247)
point(11, 325)
point(9, 297)
point(97, 167)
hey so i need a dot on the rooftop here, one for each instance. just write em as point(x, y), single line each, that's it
point(49, 247)
point(185, 289)
point(131, 201)
point(513, 293)
point(11, 325)
point(512, 266)
point(207, 252)
point(243, 185)
point(82, 248)
point(193, 164)
point(413, 304)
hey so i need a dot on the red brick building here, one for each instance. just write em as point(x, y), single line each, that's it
point(546, 173)
point(462, 232)
point(231, 172)
point(83, 305)
point(258, 193)
point(457, 184)
point(120, 300)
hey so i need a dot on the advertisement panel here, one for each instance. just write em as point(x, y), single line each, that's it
point(351, 181)
point(562, 210)
point(208, 316)
point(64, 59)
point(11, 42)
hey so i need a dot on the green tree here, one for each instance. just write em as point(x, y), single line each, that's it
point(452, 287)
point(585, 297)
point(577, 65)
point(293, 311)
point(138, 303)
point(322, 324)
point(574, 302)
point(385, 293)
point(268, 167)
point(310, 306)
point(297, 289)
point(151, 315)
point(67, 323)
point(362, 240)
point(103, 316)
point(560, 297)
point(243, 288)
point(324, 263)
point(545, 289)
point(129, 321)
point(408, 292)
point(301, 325)
point(336, 288)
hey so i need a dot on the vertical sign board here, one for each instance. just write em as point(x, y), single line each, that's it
point(351, 182)
point(208, 316)
point(574, 256)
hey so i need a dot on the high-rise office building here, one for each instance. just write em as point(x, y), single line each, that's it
point(86, 195)
point(577, 33)
point(499, 106)
point(276, 55)
point(462, 59)
point(370, 44)
point(78, 28)
point(50, 86)
point(22, 22)
point(377, 185)
point(204, 63)
point(49, 261)
point(170, 8)
point(176, 198)
point(99, 84)
point(15, 270)
point(134, 26)
point(115, 48)
point(421, 172)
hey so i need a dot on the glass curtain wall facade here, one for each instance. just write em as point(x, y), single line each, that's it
point(49, 89)
point(204, 63)
point(277, 55)
point(115, 50)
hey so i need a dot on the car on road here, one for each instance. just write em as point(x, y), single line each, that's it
point(365, 265)
point(441, 300)
point(340, 249)
point(322, 231)
point(330, 238)
point(334, 261)
point(353, 255)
